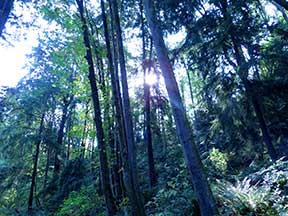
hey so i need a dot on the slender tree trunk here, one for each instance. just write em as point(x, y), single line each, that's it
point(109, 127)
point(182, 94)
point(147, 106)
point(120, 141)
point(148, 135)
point(266, 136)
point(47, 166)
point(190, 86)
point(84, 134)
point(163, 133)
point(116, 100)
point(119, 166)
point(70, 140)
point(184, 130)
point(49, 147)
point(134, 191)
point(5, 9)
point(34, 173)
point(60, 135)
point(110, 205)
point(115, 168)
point(160, 110)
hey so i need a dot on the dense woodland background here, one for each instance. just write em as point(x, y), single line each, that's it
point(81, 135)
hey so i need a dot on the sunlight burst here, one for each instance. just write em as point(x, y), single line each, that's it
point(150, 79)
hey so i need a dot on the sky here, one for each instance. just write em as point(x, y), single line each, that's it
point(19, 43)
point(12, 60)
point(13, 57)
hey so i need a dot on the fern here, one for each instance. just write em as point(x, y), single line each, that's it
point(264, 198)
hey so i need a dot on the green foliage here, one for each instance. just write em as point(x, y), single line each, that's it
point(71, 179)
point(175, 193)
point(262, 193)
point(275, 175)
point(14, 187)
point(217, 161)
point(84, 202)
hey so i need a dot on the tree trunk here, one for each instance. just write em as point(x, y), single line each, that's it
point(34, 173)
point(190, 87)
point(182, 94)
point(148, 134)
point(70, 140)
point(184, 130)
point(243, 70)
point(84, 134)
point(5, 9)
point(47, 166)
point(136, 201)
point(60, 135)
point(116, 101)
point(110, 205)
point(243, 73)
point(120, 140)
point(147, 106)
point(259, 114)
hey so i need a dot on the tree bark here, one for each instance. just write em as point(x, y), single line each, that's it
point(120, 141)
point(60, 135)
point(34, 173)
point(190, 86)
point(148, 134)
point(137, 203)
point(84, 134)
point(109, 200)
point(116, 176)
point(147, 106)
point(5, 9)
point(47, 166)
point(184, 130)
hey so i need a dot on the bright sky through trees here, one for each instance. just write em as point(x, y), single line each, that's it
point(20, 40)
point(12, 57)
point(12, 60)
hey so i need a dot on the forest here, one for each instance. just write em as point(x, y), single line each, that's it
point(146, 107)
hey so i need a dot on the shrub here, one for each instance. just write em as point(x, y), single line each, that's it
point(175, 197)
point(216, 163)
point(86, 202)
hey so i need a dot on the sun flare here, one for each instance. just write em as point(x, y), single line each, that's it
point(150, 79)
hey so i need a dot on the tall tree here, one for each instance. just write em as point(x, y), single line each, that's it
point(137, 203)
point(110, 204)
point(117, 104)
point(35, 166)
point(243, 72)
point(60, 136)
point(147, 66)
point(184, 130)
